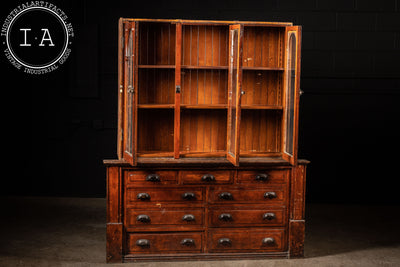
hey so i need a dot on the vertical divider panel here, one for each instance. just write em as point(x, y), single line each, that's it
point(178, 59)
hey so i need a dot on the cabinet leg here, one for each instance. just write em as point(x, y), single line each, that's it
point(296, 238)
point(114, 242)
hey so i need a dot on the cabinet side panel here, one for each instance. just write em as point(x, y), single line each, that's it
point(297, 207)
point(114, 217)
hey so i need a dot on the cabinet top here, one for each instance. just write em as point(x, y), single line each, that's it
point(211, 22)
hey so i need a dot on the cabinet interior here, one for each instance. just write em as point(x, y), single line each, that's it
point(203, 98)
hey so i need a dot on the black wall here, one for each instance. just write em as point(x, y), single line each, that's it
point(58, 127)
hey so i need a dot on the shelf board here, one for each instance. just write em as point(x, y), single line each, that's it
point(204, 67)
point(263, 68)
point(156, 106)
point(204, 106)
point(261, 107)
point(156, 66)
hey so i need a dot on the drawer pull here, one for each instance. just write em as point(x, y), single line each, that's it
point(225, 196)
point(143, 243)
point(143, 218)
point(188, 196)
point(143, 196)
point(225, 217)
point(208, 178)
point(187, 242)
point(153, 178)
point(269, 216)
point(262, 177)
point(188, 218)
point(268, 241)
point(270, 195)
point(225, 242)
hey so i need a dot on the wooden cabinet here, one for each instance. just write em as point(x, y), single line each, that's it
point(207, 142)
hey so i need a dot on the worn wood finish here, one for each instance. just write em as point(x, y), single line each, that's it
point(207, 142)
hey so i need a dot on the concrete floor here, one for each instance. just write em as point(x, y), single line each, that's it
point(71, 232)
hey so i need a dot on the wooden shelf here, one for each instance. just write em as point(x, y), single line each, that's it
point(204, 67)
point(156, 66)
point(204, 106)
point(261, 107)
point(263, 68)
point(156, 106)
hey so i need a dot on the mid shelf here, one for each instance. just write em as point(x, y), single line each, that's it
point(207, 106)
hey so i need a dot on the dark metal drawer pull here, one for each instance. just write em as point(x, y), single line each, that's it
point(225, 217)
point(188, 196)
point(270, 195)
point(225, 196)
point(268, 241)
point(187, 242)
point(188, 217)
point(261, 177)
point(143, 196)
point(153, 178)
point(143, 218)
point(225, 242)
point(269, 216)
point(208, 178)
point(143, 243)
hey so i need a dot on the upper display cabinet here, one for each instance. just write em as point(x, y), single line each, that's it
point(193, 91)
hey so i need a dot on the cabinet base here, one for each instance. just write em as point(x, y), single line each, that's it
point(205, 256)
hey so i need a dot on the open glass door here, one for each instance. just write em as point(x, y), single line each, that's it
point(292, 84)
point(130, 111)
point(234, 89)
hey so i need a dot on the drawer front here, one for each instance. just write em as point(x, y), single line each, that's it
point(207, 177)
point(270, 195)
point(234, 240)
point(165, 217)
point(149, 195)
point(242, 216)
point(151, 177)
point(263, 177)
point(165, 243)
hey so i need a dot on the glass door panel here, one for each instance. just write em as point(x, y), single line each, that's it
point(234, 89)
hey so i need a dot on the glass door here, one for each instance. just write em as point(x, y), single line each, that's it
point(234, 92)
point(129, 146)
point(292, 83)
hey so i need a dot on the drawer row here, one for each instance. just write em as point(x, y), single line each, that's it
point(190, 218)
point(205, 177)
point(219, 240)
point(218, 194)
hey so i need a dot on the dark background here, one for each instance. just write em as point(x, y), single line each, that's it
point(58, 127)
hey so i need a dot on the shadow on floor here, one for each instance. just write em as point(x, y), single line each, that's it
point(336, 229)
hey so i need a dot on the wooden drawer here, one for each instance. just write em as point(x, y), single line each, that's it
point(165, 243)
point(268, 195)
point(151, 177)
point(145, 195)
point(263, 176)
point(246, 216)
point(164, 217)
point(207, 177)
point(235, 240)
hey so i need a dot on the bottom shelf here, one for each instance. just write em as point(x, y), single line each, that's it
point(243, 161)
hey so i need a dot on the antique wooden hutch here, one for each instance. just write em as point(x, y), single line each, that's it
point(207, 162)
